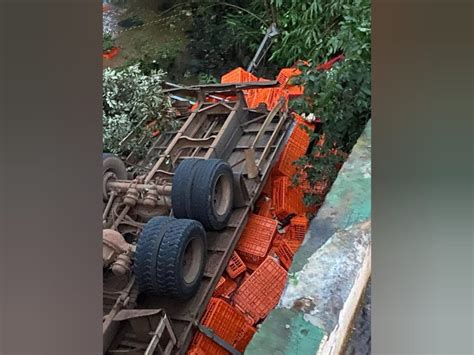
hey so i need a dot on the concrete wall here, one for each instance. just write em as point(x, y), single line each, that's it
point(330, 270)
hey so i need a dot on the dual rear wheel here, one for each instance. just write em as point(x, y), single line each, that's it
point(171, 252)
point(203, 190)
point(170, 257)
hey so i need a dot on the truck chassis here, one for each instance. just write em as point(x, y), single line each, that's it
point(249, 140)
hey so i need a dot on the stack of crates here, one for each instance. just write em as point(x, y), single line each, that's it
point(298, 228)
point(240, 75)
point(262, 96)
point(292, 240)
point(292, 152)
point(286, 89)
point(287, 199)
point(257, 271)
point(268, 96)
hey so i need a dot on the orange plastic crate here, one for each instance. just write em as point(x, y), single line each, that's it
point(260, 293)
point(225, 287)
point(286, 198)
point(277, 240)
point(285, 254)
point(294, 245)
point(292, 152)
point(286, 74)
point(264, 95)
point(194, 350)
point(300, 133)
point(298, 227)
point(238, 75)
point(272, 252)
point(294, 91)
point(111, 53)
point(226, 322)
point(277, 93)
point(265, 207)
point(236, 266)
point(267, 188)
point(256, 238)
point(252, 266)
point(246, 276)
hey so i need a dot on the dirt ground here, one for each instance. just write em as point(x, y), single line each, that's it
point(157, 35)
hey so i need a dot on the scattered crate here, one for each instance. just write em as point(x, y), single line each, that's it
point(246, 276)
point(286, 74)
point(227, 323)
point(265, 207)
point(238, 75)
point(277, 93)
point(256, 238)
point(111, 53)
point(300, 131)
point(286, 198)
point(294, 245)
point(285, 254)
point(292, 91)
point(225, 287)
point(277, 239)
point(272, 252)
point(260, 293)
point(236, 266)
point(298, 227)
point(292, 152)
point(264, 95)
point(252, 266)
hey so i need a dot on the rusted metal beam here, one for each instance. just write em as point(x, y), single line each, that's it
point(230, 89)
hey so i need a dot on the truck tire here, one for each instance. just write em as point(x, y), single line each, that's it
point(170, 257)
point(203, 190)
point(113, 163)
point(182, 187)
point(113, 169)
point(212, 196)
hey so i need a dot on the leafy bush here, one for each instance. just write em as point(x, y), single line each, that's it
point(132, 101)
point(341, 96)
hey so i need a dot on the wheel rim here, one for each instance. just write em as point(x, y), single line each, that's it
point(192, 260)
point(221, 197)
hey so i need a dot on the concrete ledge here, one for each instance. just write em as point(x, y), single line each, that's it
point(330, 271)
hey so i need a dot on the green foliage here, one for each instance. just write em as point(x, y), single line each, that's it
point(341, 96)
point(312, 30)
point(224, 35)
point(247, 31)
point(130, 101)
point(207, 79)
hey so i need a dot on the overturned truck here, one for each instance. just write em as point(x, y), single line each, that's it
point(170, 225)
